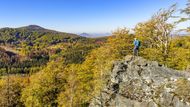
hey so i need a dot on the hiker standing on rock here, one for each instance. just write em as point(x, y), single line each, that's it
point(137, 44)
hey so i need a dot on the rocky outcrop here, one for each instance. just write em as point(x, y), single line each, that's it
point(141, 83)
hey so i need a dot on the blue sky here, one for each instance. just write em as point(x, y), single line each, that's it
point(76, 16)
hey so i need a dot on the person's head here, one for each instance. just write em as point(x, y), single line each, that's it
point(135, 38)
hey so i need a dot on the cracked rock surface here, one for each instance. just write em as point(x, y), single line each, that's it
point(141, 83)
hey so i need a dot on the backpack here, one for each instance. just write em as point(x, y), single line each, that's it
point(139, 43)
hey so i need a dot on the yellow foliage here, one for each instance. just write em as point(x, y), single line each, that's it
point(100, 60)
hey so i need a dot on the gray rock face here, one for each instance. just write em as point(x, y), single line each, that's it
point(141, 83)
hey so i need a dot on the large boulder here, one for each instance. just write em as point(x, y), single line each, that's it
point(136, 82)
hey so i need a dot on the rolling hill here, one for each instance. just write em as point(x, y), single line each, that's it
point(34, 35)
point(30, 48)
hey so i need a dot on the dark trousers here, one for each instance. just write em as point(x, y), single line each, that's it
point(135, 51)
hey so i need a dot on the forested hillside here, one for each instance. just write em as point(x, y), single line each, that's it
point(46, 68)
point(29, 48)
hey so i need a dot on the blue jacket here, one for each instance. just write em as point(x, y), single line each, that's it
point(136, 43)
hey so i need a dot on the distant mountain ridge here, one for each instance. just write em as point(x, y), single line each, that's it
point(85, 35)
point(92, 35)
point(34, 35)
point(38, 28)
point(34, 27)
